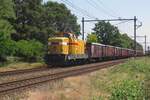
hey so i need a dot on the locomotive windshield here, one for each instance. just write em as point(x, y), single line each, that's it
point(67, 35)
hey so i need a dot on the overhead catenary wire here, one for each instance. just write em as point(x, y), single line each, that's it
point(96, 6)
point(121, 22)
point(78, 9)
point(83, 10)
point(92, 5)
point(106, 7)
point(99, 8)
point(75, 9)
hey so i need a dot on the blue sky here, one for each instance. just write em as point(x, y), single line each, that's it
point(106, 9)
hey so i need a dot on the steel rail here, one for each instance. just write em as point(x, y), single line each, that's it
point(22, 71)
point(14, 85)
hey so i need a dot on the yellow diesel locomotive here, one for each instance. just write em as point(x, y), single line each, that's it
point(65, 48)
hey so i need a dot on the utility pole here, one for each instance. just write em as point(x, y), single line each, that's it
point(135, 19)
point(148, 49)
point(83, 21)
point(83, 28)
point(145, 44)
point(145, 41)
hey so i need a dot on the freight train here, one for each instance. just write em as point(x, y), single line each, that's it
point(67, 49)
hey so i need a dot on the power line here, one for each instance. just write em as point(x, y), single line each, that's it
point(92, 5)
point(122, 22)
point(75, 8)
point(111, 10)
point(119, 19)
point(82, 11)
point(97, 7)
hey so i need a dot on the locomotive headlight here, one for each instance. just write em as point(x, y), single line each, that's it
point(64, 43)
point(49, 43)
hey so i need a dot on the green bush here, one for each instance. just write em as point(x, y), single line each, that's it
point(30, 50)
point(127, 90)
point(7, 48)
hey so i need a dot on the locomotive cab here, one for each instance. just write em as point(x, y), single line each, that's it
point(64, 48)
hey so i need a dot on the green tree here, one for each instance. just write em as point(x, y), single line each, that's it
point(38, 21)
point(59, 17)
point(28, 13)
point(5, 28)
point(7, 46)
point(108, 33)
point(6, 9)
point(6, 13)
point(139, 46)
point(127, 42)
point(92, 38)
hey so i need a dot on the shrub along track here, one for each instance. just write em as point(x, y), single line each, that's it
point(147, 89)
point(55, 75)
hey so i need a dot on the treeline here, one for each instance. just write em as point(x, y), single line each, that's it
point(25, 26)
point(108, 34)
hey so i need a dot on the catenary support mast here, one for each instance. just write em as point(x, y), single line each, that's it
point(133, 19)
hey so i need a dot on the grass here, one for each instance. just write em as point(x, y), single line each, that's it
point(136, 70)
point(126, 81)
point(18, 65)
point(121, 82)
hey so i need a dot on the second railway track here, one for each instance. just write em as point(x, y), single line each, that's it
point(16, 72)
point(24, 83)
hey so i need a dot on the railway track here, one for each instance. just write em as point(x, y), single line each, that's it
point(16, 72)
point(26, 71)
point(24, 83)
point(15, 75)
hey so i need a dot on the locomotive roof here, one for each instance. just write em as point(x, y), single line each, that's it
point(57, 38)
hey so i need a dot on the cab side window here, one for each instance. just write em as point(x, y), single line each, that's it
point(67, 35)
